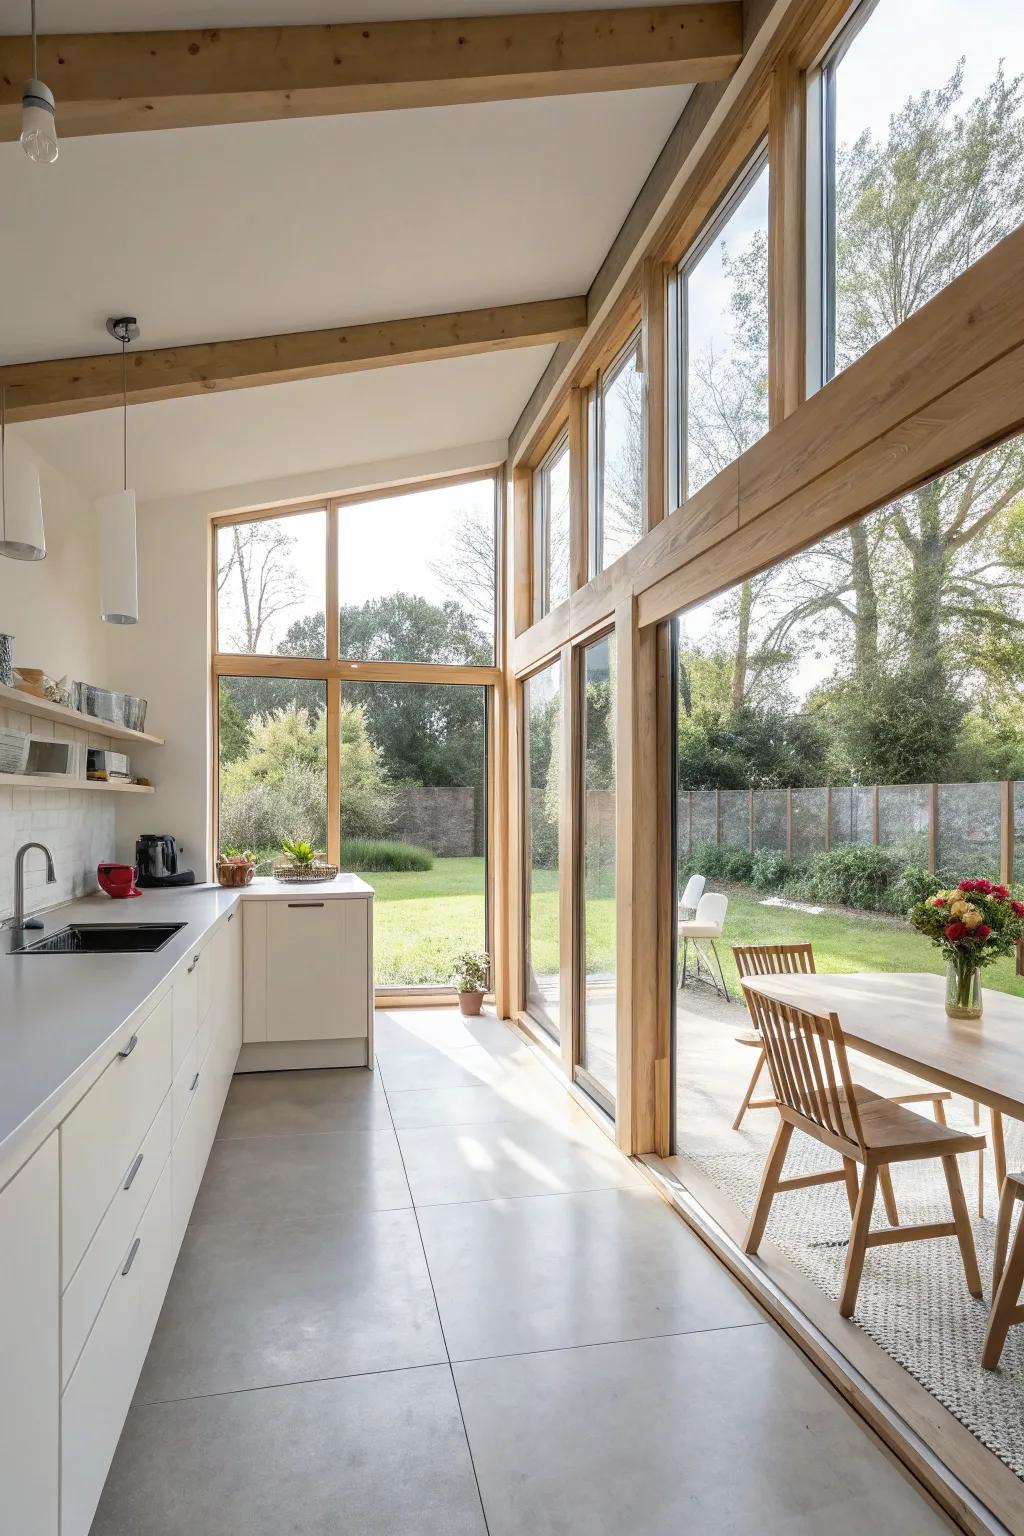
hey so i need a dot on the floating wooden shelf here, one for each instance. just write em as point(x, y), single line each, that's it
point(45, 709)
point(59, 781)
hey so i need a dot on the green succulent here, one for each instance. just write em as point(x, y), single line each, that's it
point(300, 852)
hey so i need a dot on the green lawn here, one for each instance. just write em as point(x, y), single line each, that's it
point(423, 920)
point(842, 941)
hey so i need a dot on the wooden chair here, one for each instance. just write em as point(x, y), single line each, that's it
point(810, 1072)
point(1007, 1277)
point(789, 960)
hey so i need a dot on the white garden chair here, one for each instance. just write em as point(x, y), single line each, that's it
point(702, 930)
point(692, 893)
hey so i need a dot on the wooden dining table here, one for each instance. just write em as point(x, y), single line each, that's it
point(900, 1017)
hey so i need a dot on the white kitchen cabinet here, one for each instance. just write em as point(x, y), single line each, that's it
point(308, 980)
point(29, 1345)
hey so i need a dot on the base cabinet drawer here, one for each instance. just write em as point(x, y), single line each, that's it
point(104, 1256)
point(99, 1394)
point(102, 1133)
point(316, 969)
point(30, 1346)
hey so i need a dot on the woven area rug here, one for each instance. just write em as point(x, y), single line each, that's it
point(913, 1298)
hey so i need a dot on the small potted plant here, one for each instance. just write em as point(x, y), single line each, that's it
point(301, 862)
point(973, 924)
point(470, 977)
point(234, 869)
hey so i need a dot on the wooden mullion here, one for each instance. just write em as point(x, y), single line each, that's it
point(654, 341)
point(230, 664)
point(331, 604)
point(569, 894)
point(579, 554)
point(333, 771)
point(787, 257)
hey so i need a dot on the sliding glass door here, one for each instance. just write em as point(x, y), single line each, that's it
point(597, 1052)
point(542, 764)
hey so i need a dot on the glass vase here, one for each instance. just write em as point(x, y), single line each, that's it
point(963, 987)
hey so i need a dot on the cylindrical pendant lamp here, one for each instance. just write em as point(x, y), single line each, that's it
point(21, 498)
point(119, 581)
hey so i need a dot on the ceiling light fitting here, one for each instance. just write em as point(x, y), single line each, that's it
point(115, 515)
point(21, 497)
point(38, 113)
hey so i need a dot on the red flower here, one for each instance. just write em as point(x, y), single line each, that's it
point(982, 931)
point(1018, 907)
point(1000, 892)
point(955, 931)
point(940, 901)
point(968, 885)
point(984, 886)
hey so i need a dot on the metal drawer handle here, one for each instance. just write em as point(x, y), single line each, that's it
point(126, 1050)
point(305, 903)
point(194, 1083)
point(133, 1170)
point(231, 917)
point(130, 1260)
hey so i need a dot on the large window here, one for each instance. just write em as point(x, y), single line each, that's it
point(387, 776)
point(617, 458)
point(849, 740)
point(417, 576)
point(920, 120)
point(597, 766)
point(551, 529)
point(542, 758)
point(718, 321)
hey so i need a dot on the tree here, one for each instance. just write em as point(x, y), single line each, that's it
point(234, 728)
point(256, 580)
point(469, 571)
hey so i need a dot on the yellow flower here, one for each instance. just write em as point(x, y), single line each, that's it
point(971, 918)
point(957, 907)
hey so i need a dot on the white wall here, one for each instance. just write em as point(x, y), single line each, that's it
point(166, 656)
point(51, 607)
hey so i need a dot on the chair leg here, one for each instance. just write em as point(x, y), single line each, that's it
point(858, 1242)
point(939, 1110)
point(1004, 1303)
point(721, 973)
point(686, 946)
point(1007, 1201)
point(769, 1184)
point(964, 1235)
point(976, 1115)
point(852, 1186)
point(750, 1090)
point(892, 1214)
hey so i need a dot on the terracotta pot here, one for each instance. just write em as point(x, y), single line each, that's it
point(470, 1003)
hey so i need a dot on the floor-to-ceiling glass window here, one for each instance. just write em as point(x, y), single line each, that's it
point(849, 744)
point(542, 773)
point(597, 1049)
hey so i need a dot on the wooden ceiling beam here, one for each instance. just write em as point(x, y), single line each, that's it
point(67, 386)
point(124, 82)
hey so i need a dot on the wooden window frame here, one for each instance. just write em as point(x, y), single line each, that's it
point(553, 1043)
point(540, 523)
point(333, 670)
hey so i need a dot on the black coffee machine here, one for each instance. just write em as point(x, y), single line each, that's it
point(157, 862)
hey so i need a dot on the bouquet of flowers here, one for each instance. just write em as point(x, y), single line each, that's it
point(974, 923)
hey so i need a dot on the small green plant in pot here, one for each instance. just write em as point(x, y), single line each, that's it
point(300, 852)
point(472, 968)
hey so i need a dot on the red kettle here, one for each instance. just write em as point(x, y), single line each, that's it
point(118, 880)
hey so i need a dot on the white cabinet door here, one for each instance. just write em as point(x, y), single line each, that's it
point(316, 969)
point(227, 977)
point(29, 1346)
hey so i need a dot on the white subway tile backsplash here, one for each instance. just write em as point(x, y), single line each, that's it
point(78, 828)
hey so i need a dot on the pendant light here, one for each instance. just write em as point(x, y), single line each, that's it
point(115, 516)
point(21, 497)
point(38, 117)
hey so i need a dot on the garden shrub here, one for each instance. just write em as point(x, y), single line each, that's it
point(913, 884)
point(769, 869)
point(380, 855)
point(854, 877)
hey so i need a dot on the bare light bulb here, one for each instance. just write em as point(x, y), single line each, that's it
point(39, 123)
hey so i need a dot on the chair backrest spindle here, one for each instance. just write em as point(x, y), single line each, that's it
point(810, 1072)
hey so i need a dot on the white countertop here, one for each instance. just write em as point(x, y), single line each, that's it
point(59, 1014)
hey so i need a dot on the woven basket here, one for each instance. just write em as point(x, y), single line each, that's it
point(304, 874)
point(233, 875)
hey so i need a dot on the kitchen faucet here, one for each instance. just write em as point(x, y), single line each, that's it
point(19, 921)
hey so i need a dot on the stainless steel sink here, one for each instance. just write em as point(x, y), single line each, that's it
point(103, 939)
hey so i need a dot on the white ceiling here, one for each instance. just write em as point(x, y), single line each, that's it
point(181, 447)
point(251, 229)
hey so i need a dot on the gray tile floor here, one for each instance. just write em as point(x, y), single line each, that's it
point(433, 1301)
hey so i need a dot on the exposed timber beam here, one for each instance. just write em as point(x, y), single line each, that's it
point(66, 386)
point(128, 81)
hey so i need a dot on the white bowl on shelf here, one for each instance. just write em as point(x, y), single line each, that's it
point(14, 747)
